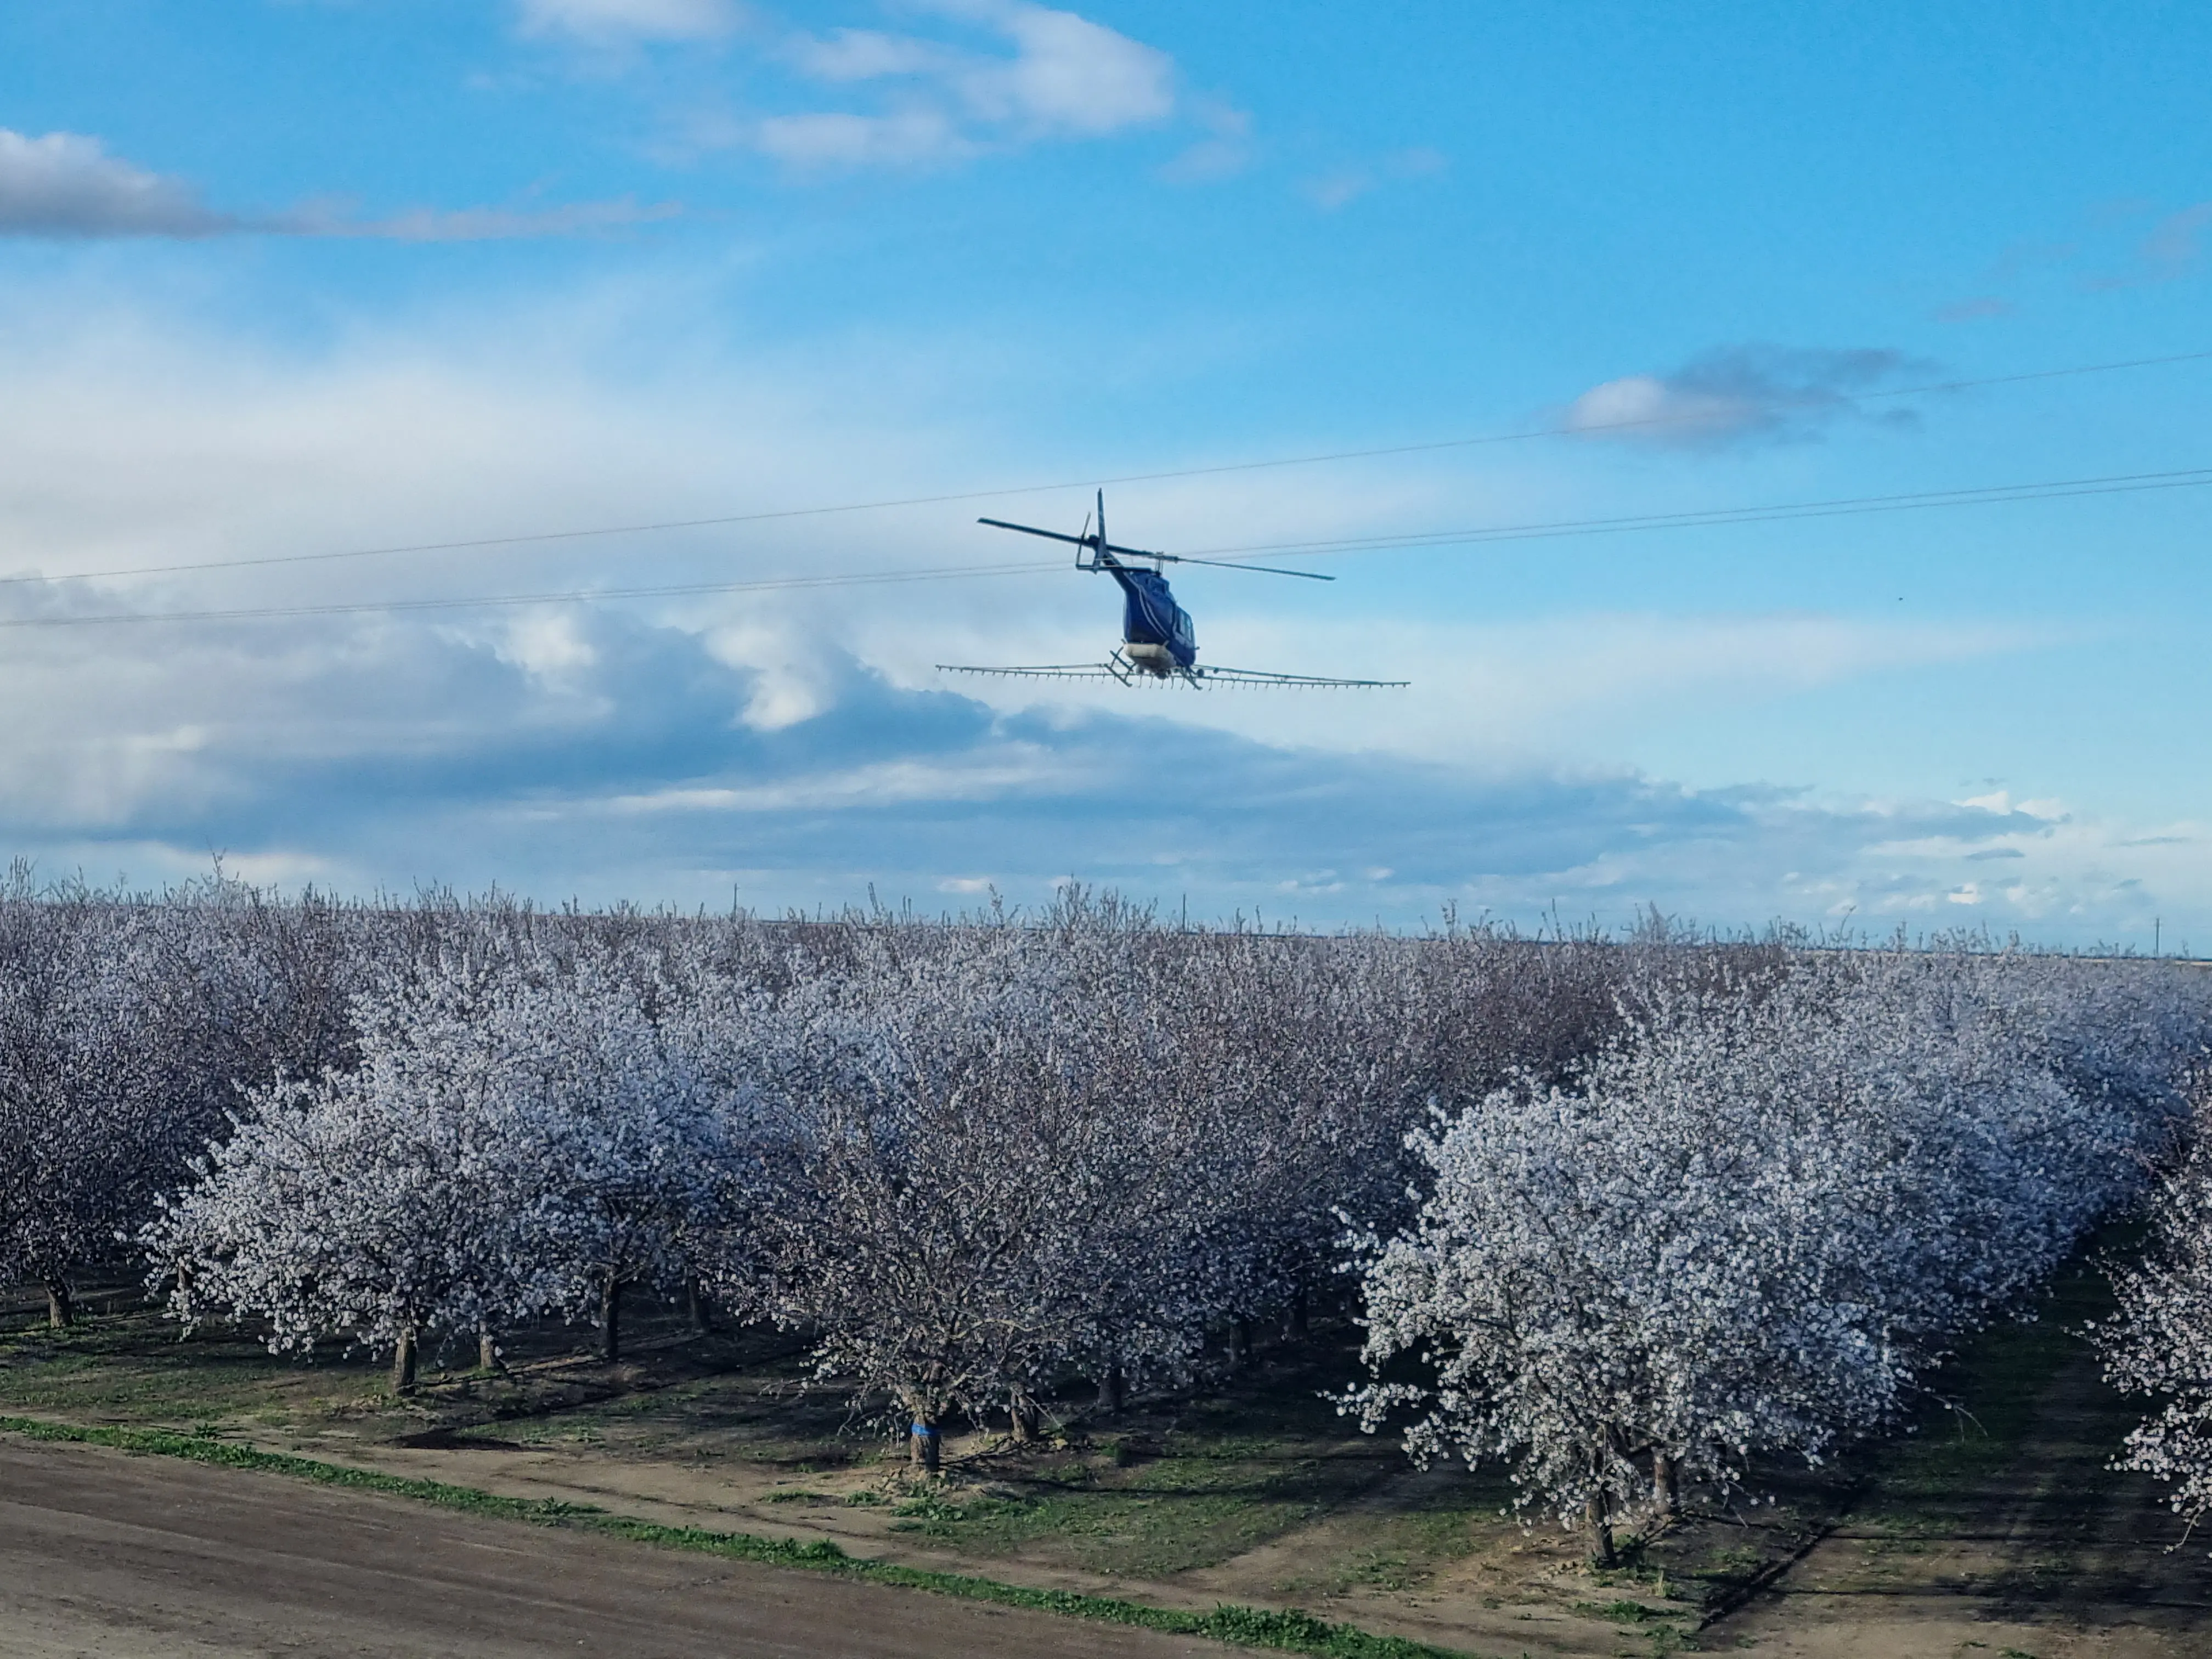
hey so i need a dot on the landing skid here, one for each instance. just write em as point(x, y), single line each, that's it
point(1198, 677)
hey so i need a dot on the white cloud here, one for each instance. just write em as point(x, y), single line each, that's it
point(2174, 244)
point(2063, 872)
point(66, 185)
point(1224, 152)
point(1487, 694)
point(550, 645)
point(1064, 78)
point(1735, 393)
point(973, 778)
point(2001, 800)
point(867, 55)
point(489, 224)
point(1339, 187)
point(913, 137)
point(1068, 76)
point(1981, 307)
point(604, 20)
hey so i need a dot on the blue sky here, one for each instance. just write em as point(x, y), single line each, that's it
point(287, 277)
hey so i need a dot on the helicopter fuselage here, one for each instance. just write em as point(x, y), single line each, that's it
point(1157, 635)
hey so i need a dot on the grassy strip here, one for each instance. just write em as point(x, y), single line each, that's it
point(1289, 1631)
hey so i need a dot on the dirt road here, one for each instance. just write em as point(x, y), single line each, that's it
point(143, 1558)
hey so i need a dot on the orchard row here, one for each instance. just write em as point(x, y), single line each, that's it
point(1622, 1215)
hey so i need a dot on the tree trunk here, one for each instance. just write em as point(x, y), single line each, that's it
point(1240, 1342)
point(1110, 1389)
point(487, 1353)
point(611, 1319)
point(922, 1447)
point(1597, 1529)
point(694, 1303)
point(1024, 1411)
point(1665, 1484)
point(1295, 1329)
point(402, 1363)
point(61, 1306)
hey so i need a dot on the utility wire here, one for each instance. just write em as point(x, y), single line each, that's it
point(1559, 430)
point(1988, 495)
point(2057, 489)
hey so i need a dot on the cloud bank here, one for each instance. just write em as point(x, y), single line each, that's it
point(626, 768)
point(64, 184)
point(1743, 394)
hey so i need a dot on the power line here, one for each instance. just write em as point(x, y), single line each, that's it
point(1985, 495)
point(1558, 430)
point(1993, 494)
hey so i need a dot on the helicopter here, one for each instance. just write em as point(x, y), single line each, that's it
point(1158, 643)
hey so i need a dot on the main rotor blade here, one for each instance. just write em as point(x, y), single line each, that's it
point(1049, 535)
point(1086, 539)
point(1146, 553)
point(1230, 564)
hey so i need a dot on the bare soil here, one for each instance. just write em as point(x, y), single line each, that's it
point(144, 1557)
point(2006, 1533)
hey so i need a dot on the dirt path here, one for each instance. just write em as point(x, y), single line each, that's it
point(127, 1557)
point(1485, 1605)
point(2049, 1553)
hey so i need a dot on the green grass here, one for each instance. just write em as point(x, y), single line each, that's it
point(1619, 1612)
point(704, 1399)
point(1400, 1550)
point(1288, 1631)
point(1135, 1517)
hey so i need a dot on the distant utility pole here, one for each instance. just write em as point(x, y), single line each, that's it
point(2155, 925)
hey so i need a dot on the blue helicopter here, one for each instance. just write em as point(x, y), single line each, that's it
point(1158, 640)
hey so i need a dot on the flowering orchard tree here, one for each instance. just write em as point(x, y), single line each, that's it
point(617, 1153)
point(2160, 1341)
point(1292, 1062)
point(962, 1188)
point(1604, 1301)
point(127, 1025)
point(82, 1126)
point(375, 1204)
point(1682, 1204)
point(342, 1208)
point(1759, 1214)
point(506, 1146)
